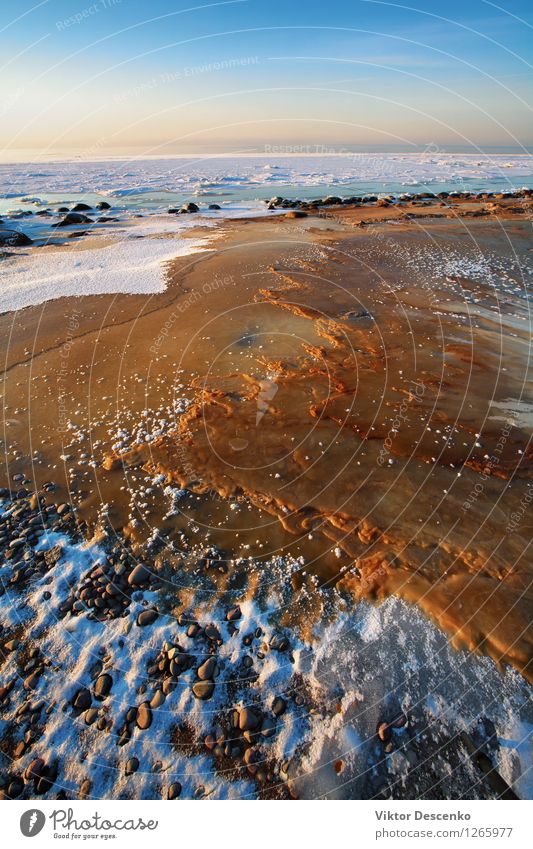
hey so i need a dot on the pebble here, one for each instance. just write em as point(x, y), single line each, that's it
point(140, 575)
point(234, 614)
point(82, 700)
point(174, 791)
point(144, 716)
point(279, 706)
point(132, 766)
point(248, 719)
point(146, 617)
point(208, 669)
point(103, 686)
point(203, 689)
point(157, 699)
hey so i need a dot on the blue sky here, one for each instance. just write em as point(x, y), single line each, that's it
point(118, 75)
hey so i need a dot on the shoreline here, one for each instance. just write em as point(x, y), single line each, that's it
point(177, 419)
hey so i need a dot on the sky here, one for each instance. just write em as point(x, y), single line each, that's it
point(122, 76)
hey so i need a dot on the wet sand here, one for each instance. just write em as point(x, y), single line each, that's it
point(339, 391)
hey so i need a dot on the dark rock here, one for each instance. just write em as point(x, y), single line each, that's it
point(103, 686)
point(14, 239)
point(279, 706)
point(190, 207)
point(103, 204)
point(212, 633)
point(146, 617)
point(214, 206)
point(174, 791)
point(81, 207)
point(139, 575)
point(82, 700)
point(132, 766)
point(296, 213)
point(234, 614)
point(73, 218)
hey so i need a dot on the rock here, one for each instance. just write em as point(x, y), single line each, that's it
point(91, 716)
point(81, 207)
point(73, 218)
point(140, 575)
point(268, 727)
point(82, 700)
point(279, 643)
point(234, 614)
point(279, 706)
point(34, 769)
point(132, 766)
point(248, 719)
point(103, 205)
point(214, 206)
point(85, 789)
point(212, 633)
point(11, 645)
point(174, 791)
point(203, 689)
point(190, 207)
point(157, 699)
point(384, 732)
point(208, 669)
point(14, 238)
point(296, 213)
point(63, 508)
point(144, 716)
point(32, 681)
point(103, 686)
point(146, 617)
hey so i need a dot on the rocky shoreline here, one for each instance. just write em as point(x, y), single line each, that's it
point(64, 724)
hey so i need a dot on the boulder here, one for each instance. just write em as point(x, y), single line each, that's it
point(73, 218)
point(14, 239)
point(214, 206)
point(81, 207)
point(103, 205)
point(190, 207)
